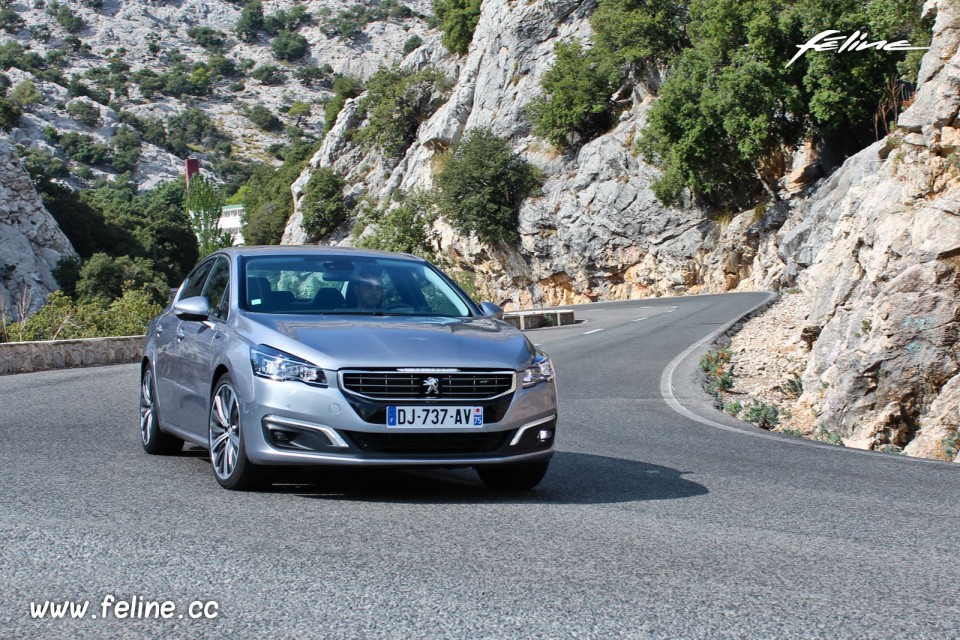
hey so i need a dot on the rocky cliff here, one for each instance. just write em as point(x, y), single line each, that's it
point(872, 249)
point(877, 252)
point(31, 243)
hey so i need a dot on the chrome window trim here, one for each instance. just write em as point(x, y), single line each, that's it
point(512, 389)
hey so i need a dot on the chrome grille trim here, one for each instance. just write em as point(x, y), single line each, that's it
point(401, 385)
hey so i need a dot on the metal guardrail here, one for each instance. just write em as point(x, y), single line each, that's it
point(539, 318)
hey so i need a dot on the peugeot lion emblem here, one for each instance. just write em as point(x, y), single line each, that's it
point(433, 386)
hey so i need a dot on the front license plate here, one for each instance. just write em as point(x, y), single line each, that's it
point(439, 417)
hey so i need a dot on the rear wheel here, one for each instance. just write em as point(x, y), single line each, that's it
point(155, 441)
point(513, 477)
point(227, 452)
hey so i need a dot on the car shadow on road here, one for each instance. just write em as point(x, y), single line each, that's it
point(574, 478)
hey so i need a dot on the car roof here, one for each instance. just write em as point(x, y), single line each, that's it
point(312, 249)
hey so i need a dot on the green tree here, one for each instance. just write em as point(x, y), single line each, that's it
point(250, 22)
point(402, 226)
point(10, 21)
point(482, 184)
point(579, 89)
point(289, 46)
point(262, 117)
point(269, 75)
point(322, 205)
point(413, 43)
point(730, 104)
point(25, 94)
point(208, 38)
point(458, 20)
point(638, 31)
point(84, 112)
point(298, 110)
point(10, 113)
point(125, 148)
point(344, 88)
point(397, 100)
point(104, 277)
point(204, 203)
point(68, 19)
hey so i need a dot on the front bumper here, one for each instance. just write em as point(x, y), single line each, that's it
point(290, 423)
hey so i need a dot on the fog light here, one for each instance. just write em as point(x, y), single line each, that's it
point(282, 436)
point(545, 435)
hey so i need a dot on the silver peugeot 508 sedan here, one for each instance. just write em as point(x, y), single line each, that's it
point(332, 356)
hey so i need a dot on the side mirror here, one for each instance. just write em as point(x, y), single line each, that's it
point(491, 310)
point(195, 308)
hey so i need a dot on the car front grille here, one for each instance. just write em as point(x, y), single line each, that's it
point(428, 385)
point(428, 443)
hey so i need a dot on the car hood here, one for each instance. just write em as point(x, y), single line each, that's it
point(336, 342)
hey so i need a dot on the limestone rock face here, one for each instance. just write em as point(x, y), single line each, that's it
point(31, 242)
point(876, 254)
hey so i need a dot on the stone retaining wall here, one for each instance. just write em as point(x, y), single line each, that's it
point(24, 357)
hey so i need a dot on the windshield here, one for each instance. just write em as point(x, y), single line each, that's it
point(322, 284)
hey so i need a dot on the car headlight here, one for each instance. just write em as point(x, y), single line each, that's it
point(540, 371)
point(271, 363)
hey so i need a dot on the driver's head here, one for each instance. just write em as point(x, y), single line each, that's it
point(369, 290)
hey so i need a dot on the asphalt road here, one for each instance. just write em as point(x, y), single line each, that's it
point(649, 524)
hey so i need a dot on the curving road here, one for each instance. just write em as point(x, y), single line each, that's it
point(650, 524)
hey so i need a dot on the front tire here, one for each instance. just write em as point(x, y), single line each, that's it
point(513, 477)
point(228, 454)
point(155, 441)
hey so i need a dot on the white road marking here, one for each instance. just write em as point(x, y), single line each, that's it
point(589, 332)
point(638, 320)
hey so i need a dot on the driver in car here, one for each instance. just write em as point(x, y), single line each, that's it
point(369, 290)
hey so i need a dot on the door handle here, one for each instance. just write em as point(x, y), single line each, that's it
point(159, 328)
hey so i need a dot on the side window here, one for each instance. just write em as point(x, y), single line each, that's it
point(193, 285)
point(218, 288)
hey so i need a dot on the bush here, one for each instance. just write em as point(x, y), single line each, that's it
point(104, 278)
point(578, 89)
point(482, 184)
point(83, 148)
point(192, 128)
point(322, 204)
point(222, 66)
point(67, 19)
point(344, 88)
point(261, 116)
point(269, 75)
point(63, 319)
point(396, 102)
point(10, 113)
point(25, 94)
point(266, 197)
point(84, 112)
point(349, 23)
point(458, 20)
point(413, 43)
point(208, 38)
point(289, 46)
point(125, 149)
point(765, 416)
point(637, 31)
point(250, 22)
point(403, 227)
point(10, 20)
point(730, 104)
point(310, 74)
